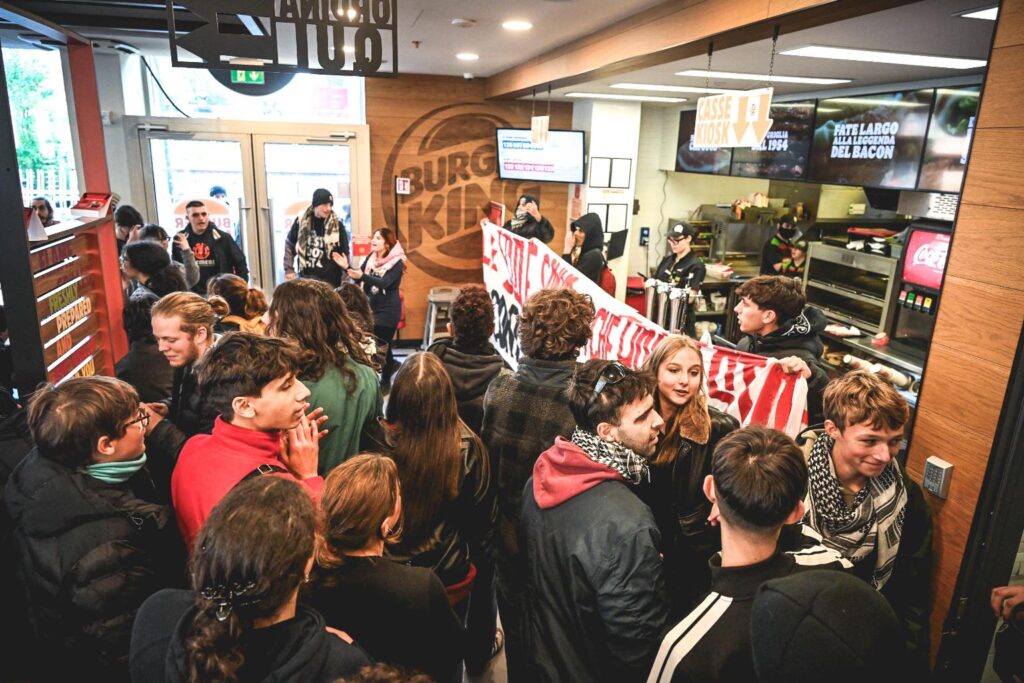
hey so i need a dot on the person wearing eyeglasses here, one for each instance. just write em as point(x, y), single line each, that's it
point(596, 603)
point(93, 534)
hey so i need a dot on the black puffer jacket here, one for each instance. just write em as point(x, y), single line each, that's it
point(471, 372)
point(591, 261)
point(596, 603)
point(800, 337)
point(676, 497)
point(90, 554)
point(464, 530)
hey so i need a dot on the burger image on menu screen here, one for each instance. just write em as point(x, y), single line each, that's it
point(692, 159)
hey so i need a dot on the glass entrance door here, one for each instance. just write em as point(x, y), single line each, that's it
point(196, 166)
point(268, 180)
point(289, 170)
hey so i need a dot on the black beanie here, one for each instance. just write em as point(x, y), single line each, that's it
point(824, 625)
point(322, 196)
point(146, 256)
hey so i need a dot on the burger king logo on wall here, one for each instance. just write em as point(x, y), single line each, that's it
point(450, 158)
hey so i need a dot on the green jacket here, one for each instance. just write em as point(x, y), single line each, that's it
point(347, 411)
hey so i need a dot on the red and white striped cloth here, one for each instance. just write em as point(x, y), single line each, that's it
point(755, 390)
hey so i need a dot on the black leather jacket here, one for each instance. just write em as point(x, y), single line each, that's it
point(676, 497)
point(464, 531)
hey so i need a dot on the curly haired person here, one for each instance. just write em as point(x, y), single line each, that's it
point(523, 413)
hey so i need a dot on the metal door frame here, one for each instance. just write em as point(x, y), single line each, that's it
point(138, 130)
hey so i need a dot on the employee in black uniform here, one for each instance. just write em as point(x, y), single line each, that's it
point(682, 267)
point(776, 250)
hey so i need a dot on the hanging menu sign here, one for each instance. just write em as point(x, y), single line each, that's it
point(736, 119)
point(335, 37)
point(870, 140)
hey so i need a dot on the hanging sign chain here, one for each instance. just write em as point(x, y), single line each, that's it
point(775, 46)
point(549, 100)
point(707, 73)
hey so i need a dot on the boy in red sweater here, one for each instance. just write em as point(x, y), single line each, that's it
point(263, 427)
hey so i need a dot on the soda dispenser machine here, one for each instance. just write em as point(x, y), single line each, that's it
point(922, 265)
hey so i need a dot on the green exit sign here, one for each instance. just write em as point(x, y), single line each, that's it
point(248, 77)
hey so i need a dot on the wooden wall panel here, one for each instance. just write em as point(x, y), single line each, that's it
point(439, 131)
point(986, 236)
point(979, 320)
point(1002, 92)
point(996, 174)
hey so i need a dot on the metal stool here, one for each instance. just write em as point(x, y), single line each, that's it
point(439, 306)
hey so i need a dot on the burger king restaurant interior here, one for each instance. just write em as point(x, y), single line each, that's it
point(895, 150)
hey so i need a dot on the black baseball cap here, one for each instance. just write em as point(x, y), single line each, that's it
point(681, 231)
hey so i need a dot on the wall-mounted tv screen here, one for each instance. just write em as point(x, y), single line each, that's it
point(924, 258)
point(692, 159)
point(871, 140)
point(785, 149)
point(949, 137)
point(560, 160)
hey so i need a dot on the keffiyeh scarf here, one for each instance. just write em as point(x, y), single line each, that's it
point(519, 220)
point(631, 466)
point(873, 521)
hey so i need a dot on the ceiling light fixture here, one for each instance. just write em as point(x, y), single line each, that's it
point(669, 88)
point(517, 25)
point(883, 57)
point(628, 98)
point(774, 78)
point(467, 56)
point(989, 13)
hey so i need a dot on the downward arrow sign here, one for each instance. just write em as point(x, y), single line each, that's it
point(763, 124)
point(212, 46)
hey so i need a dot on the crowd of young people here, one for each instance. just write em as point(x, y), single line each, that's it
point(245, 505)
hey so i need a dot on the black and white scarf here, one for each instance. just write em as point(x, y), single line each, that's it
point(519, 219)
point(873, 521)
point(631, 466)
point(304, 239)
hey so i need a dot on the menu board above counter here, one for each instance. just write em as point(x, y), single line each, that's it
point(949, 138)
point(693, 159)
point(871, 140)
point(783, 154)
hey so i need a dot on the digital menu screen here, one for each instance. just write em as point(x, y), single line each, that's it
point(924, 259)
point(784, 152)
point(871, 140)
point(692, 159)
point(949, 137)
point(560, 160)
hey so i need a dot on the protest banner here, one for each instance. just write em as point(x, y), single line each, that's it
point(753, 389)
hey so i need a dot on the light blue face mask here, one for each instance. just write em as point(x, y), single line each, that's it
point(115, 472)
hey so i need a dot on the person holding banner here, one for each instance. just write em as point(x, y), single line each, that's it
point(527, 221)
point(681, 463)
point(584, 244)
point(773, 314)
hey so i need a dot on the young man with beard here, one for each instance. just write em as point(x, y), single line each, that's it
point(865, 506)
point(773, 314)
point(596, 602)
point(756, 486)
point(215, 251)
point(183, 326)
point(262, 429)
point(318, 238)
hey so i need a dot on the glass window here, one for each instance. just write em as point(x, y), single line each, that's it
point(308, 97)
point(42, 129)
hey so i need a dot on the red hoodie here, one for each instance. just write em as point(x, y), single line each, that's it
point(564, 471)
point(210, 465)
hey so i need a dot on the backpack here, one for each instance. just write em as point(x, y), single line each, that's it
point(607, 280)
